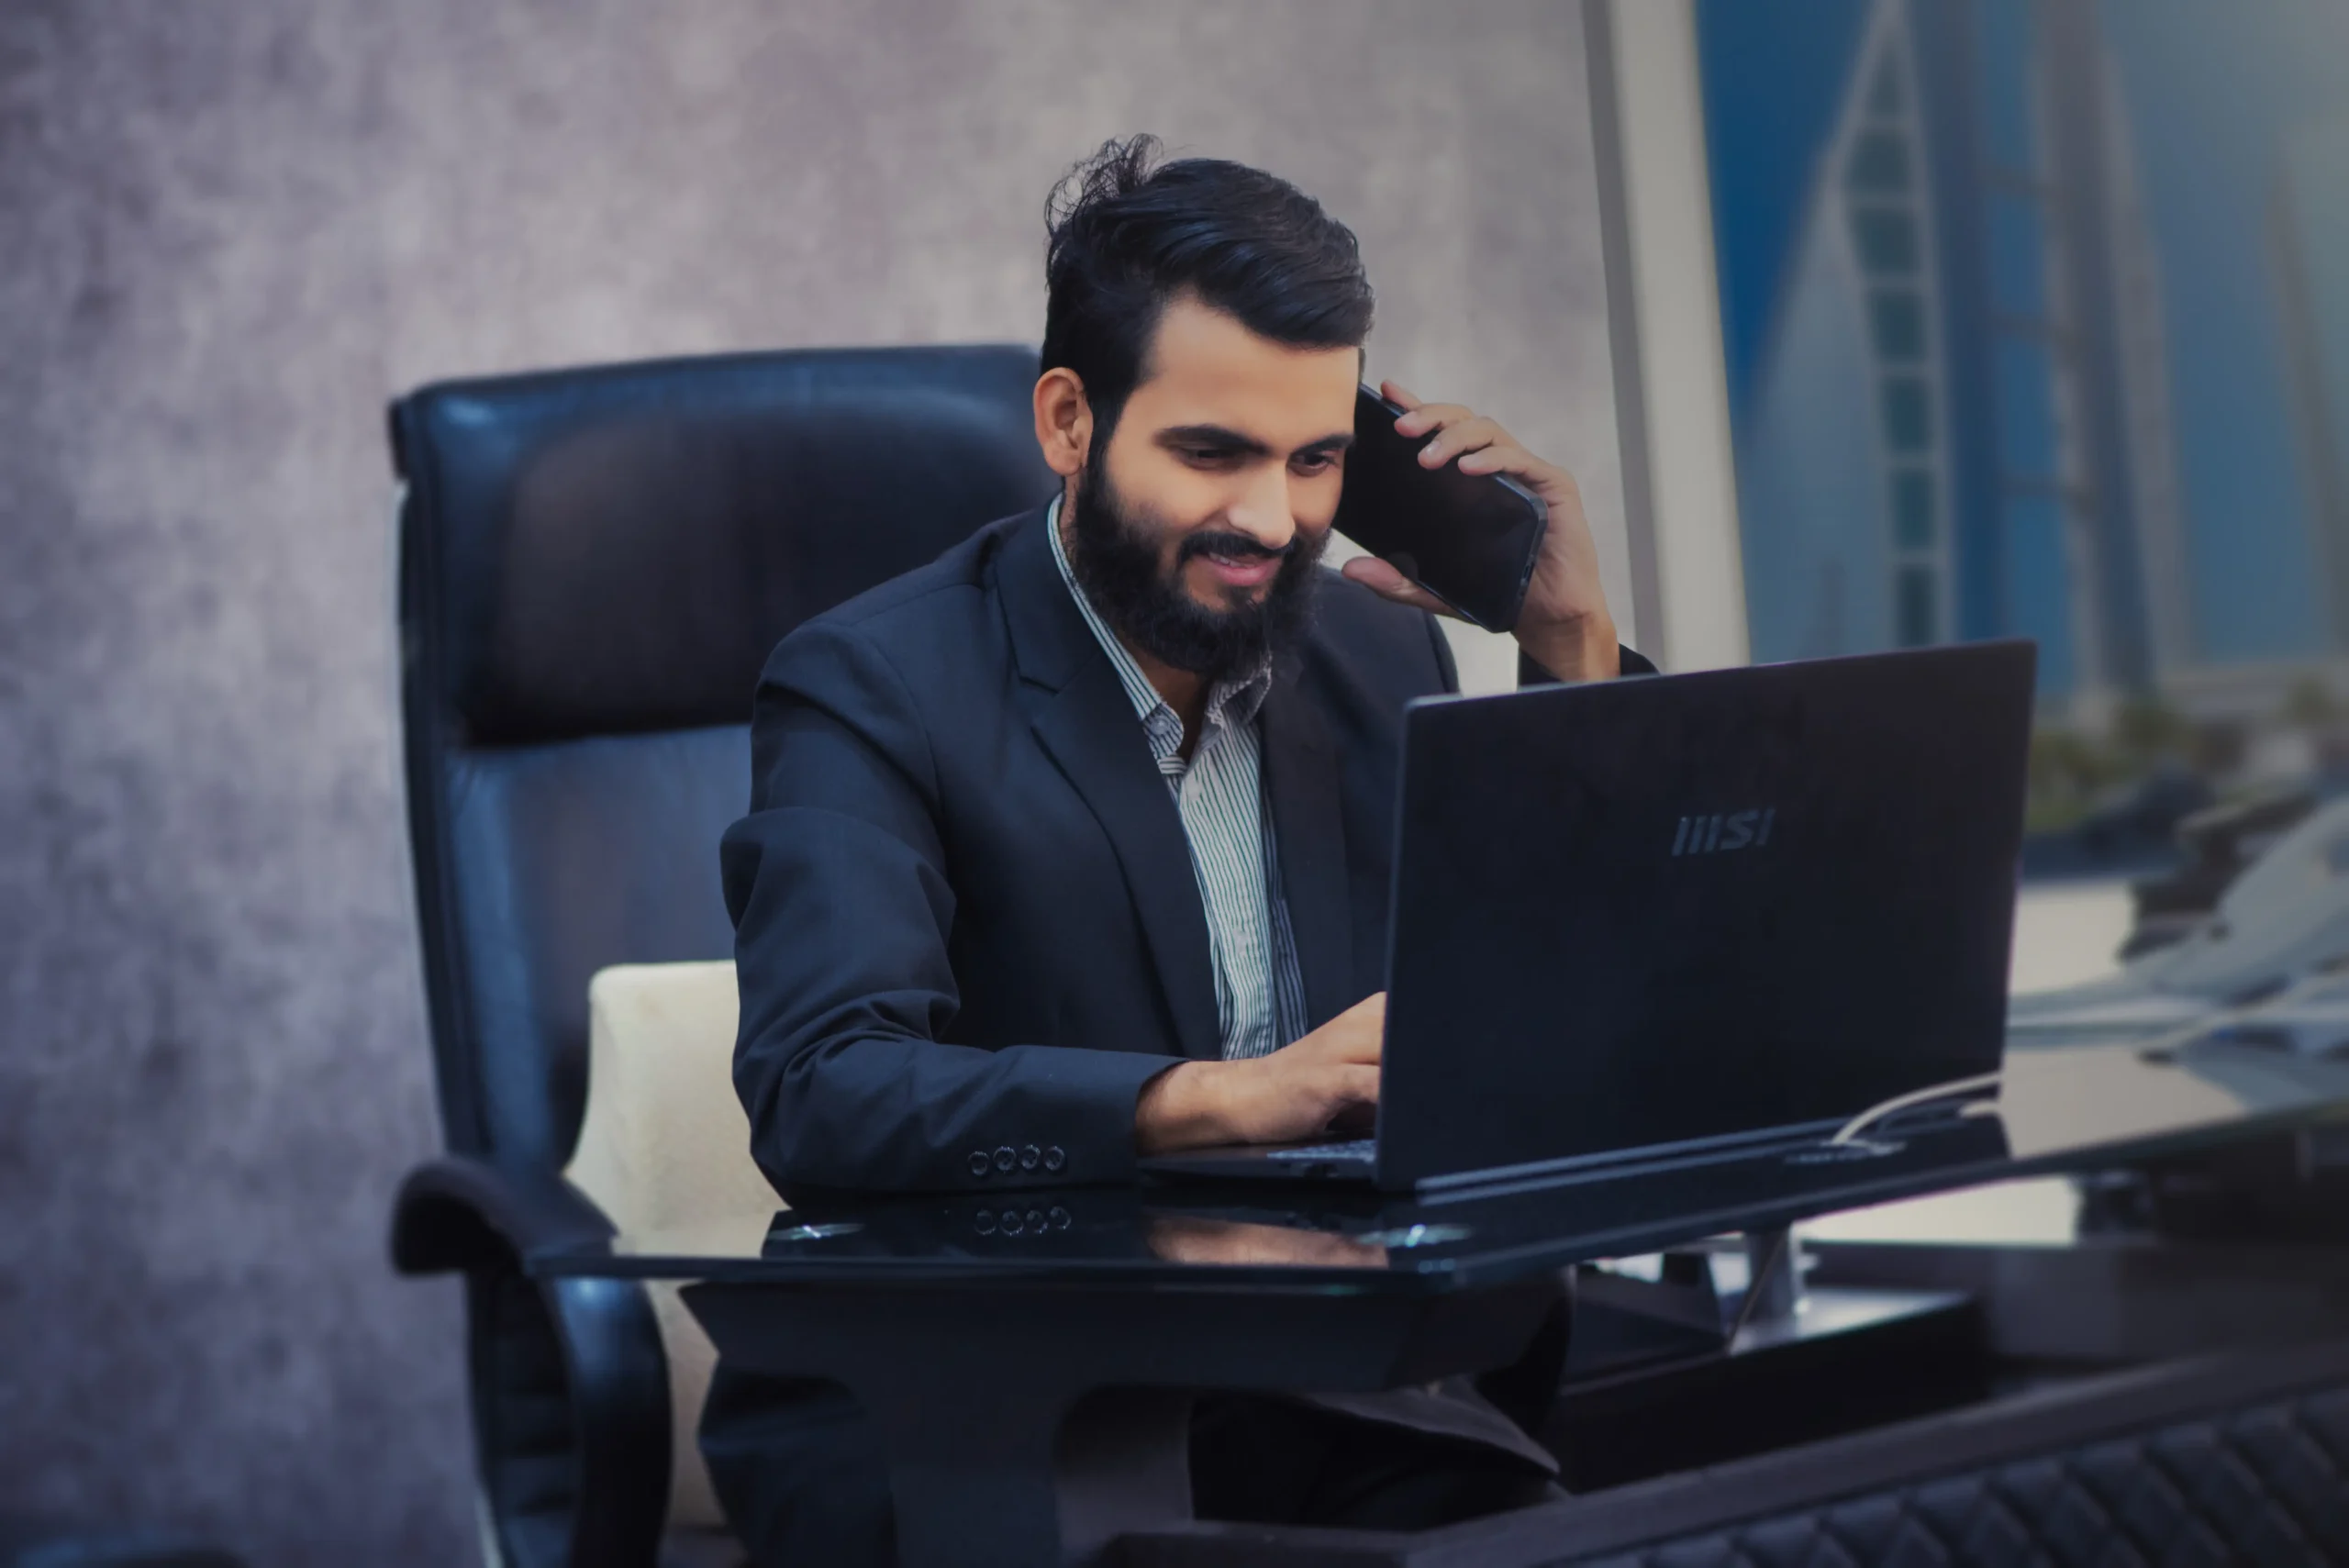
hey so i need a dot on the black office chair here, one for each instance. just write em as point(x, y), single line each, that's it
point(593, 566)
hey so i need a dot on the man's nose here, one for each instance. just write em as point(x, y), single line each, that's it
point(1263, 511)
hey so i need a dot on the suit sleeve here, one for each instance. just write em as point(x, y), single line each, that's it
point(842, 904)
point(1530, 673)
point(1447, 668)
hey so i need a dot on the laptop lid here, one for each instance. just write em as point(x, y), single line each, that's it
point(1698, 907)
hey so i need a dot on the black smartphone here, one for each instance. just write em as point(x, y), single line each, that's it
point(1469, 539)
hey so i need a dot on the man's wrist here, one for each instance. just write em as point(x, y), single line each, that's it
point(1181, 1109)
point(1582, 649)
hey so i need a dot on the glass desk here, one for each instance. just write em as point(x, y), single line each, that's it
point(1028, 1354)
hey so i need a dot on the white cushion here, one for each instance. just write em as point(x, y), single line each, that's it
point(665, 1148)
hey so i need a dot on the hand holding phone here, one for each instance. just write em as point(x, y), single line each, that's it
point(1471, 541)
point(1550, 598)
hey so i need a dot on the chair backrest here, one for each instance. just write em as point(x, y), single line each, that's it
point(593, 566)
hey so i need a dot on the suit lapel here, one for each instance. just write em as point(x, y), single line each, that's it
point(1085, 723)
point(1091, 732)
point(1301, 779)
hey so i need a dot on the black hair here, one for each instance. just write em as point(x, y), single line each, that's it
point(1129, 234)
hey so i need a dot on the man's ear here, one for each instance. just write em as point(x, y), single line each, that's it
point(1064, 420)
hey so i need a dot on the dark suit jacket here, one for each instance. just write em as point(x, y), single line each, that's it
point(967, 930)
point(967, 926)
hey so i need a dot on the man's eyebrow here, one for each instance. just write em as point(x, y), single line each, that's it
point(1232, 440)
point(1211, 436)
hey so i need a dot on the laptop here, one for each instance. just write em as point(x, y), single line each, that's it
point(1688, 916)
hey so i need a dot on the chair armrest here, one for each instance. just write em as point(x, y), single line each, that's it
point(458, 1213)
point(560, 1367)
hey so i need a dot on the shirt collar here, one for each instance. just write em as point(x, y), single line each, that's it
point(1232, 702)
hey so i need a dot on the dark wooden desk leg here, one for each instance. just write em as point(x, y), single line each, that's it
point(1012, 1470)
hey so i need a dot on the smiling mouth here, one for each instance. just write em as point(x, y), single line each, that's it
point(1248, 570)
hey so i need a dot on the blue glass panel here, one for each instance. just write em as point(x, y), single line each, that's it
point(1896, 318)
point(1913, 508)
point(1908, 414)
point(2017, 257)
point(1878, 164)
point(1886, 239)
point(2027, 434)
point(1917, 605)
point(2038, 586)
point(2004, 30)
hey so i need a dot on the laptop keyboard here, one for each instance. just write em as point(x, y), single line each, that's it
point(1363, 1148)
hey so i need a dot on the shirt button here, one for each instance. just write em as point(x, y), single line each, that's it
point(1054, 1159)
point(1031, 1157)
point(978, 1162)
point(1006, 1158)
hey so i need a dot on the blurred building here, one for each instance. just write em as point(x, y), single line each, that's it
point(1959, 423)
point(2308, 232)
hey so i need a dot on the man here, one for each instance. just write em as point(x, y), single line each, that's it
point(1072, 846)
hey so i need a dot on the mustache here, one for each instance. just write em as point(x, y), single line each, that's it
point(1233, 546)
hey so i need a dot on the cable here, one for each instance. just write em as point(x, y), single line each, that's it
point(1874, 1114)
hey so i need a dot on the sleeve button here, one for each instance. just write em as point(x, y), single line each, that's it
point(978, 1162)
point(1059, 1217)
point(1006, 1158)
point(1054, 1159)
point(984, 1222)
point(1031, 1157)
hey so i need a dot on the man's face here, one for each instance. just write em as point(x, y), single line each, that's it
point(1198, 530)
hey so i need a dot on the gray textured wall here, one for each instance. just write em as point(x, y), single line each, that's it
point(228, 234)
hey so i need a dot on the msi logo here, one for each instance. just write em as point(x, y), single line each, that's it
point(1715, 835)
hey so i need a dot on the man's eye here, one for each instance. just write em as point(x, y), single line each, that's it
point(1204, 455)
point(1318, 462)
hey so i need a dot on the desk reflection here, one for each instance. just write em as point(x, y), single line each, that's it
point(2074, 1106)
point(1192, 1238)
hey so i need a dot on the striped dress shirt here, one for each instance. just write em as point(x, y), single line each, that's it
point(1259, 988)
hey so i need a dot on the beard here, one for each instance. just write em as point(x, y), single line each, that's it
point(1115, 554)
